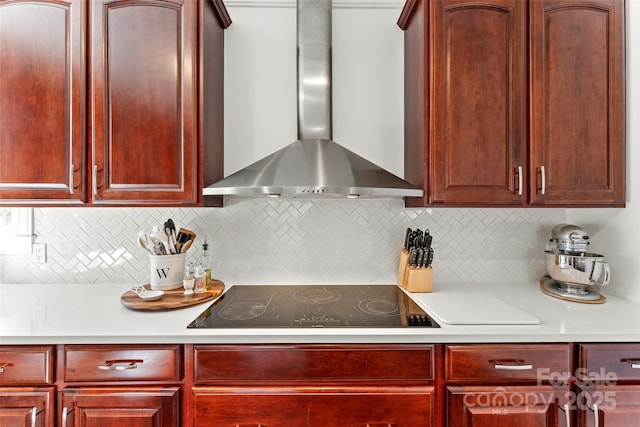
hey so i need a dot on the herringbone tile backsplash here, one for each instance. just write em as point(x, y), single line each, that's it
point(291, 241)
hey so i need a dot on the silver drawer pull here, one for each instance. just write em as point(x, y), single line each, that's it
point(635, 363)
point(4, 365)
point(510, 365)
point(543, 183)
point(596, 421)
point(514, 367)
point(34, 416)
point(120, 365)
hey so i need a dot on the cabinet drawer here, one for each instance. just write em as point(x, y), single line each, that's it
point(285, 364)
point(484, 363)
point(310, 406)
point(122, 363)
point(22, 365)
point(609, 362)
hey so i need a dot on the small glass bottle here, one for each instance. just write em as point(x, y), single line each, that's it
point(201, 279)
point(206, 262)
point(189, 281)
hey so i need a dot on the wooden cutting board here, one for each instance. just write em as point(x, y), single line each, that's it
point(171, 299)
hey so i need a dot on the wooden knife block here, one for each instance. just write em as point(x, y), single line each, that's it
point(419, 279)
point(414, 279)
point(403, 267)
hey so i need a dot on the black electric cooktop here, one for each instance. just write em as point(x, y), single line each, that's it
point(309, 306)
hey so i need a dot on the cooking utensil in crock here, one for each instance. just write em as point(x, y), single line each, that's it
point(160, 237)
point(145, 242)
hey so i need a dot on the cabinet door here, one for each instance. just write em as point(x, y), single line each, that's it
point(609, 406)
point(26, 407)
point(131, 407)
point(42, 102)
point(532, 406)
point(577, 102)
point(478, 111)
point(316, 407)
point(144, 102)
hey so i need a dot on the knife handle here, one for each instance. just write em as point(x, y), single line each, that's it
point(428, 238)
point(420, 258)
point(413, 253)
point(407, 238)
point(429, 257)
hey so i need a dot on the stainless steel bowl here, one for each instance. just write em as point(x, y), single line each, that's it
point(584, 269)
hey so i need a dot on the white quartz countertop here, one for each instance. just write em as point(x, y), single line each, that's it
point(93, 314)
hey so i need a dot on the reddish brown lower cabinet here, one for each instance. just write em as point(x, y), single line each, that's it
point(120, 406)
point(120, 385)
point(608, 385)
point(27, 406)
point(27, 395)
point(534, 406)
point(508, 385)
point(608, 406)
point(314, 385)
point(314, 406)
point(321, 385)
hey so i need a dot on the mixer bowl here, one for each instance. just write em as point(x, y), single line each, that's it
point(585, 269)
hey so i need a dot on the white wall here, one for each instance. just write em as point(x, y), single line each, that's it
point(260, 105)
point(285, 240)
point(616, 233)
point(260, 80)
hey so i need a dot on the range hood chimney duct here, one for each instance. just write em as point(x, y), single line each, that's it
point(314, 165)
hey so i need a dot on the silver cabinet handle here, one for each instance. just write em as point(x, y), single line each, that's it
point(4, 365)
point(513, 367)
point(71, 179)
point(510, 364)
point(635, 363)
point(596, 421)
point(543, 182)
point(34, 416)
point(519, 180)
point(119, 365)
point(567, 415)
point(65, 412)
point(95, 178)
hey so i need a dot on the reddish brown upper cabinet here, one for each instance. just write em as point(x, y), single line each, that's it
point(119, 103)
point(512, 103)
point(42, 102)
point(577, 62)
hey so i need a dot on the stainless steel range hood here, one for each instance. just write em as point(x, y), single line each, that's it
point(314, 165)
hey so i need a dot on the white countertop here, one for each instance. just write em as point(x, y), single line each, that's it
point(93, 314)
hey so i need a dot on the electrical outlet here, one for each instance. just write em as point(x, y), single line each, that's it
point(39, 253)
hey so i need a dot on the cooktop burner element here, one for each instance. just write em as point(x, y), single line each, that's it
point(307, 306)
